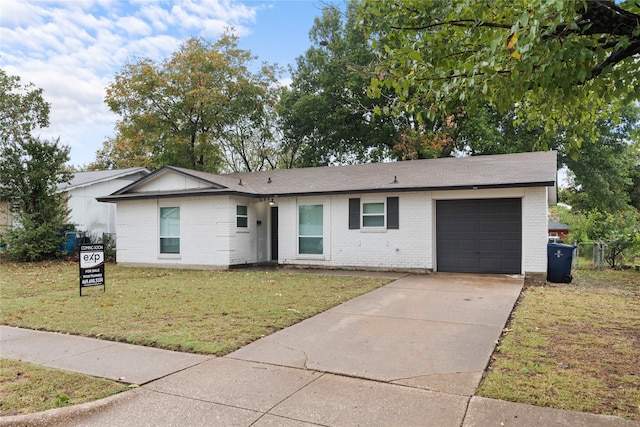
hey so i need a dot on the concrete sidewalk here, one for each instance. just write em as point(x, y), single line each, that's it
point(409, 354)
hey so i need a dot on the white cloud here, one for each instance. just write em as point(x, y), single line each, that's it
point(16, 13)
point(73, 49)
point(134, 26)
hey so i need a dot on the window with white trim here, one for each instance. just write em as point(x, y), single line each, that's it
point(170, 230)
point(242, 216)
point(373, 215)
point(310, 229)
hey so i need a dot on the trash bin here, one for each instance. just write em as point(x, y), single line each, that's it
point(559, 258)
point(69, 245)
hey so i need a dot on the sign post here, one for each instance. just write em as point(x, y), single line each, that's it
point(92, 266)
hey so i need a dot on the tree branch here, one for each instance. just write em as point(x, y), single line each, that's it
point(616, 57)
point(456, 23)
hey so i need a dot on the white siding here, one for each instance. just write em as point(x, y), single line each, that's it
point(92, 216)
point(137, 238)
point(170, 181)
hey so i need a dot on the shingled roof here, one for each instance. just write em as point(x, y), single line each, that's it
point(498, 171)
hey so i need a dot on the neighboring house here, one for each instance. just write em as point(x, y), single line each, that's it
point(87, 213)
point(558, 231)
point(6, 219)
point(485, 214)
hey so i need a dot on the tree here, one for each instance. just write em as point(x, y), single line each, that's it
point(557, 63)
point(618, 231)
point(177, 111)
point(326, 116)
point(30, 172)
point(602, 177)
point(22, 108)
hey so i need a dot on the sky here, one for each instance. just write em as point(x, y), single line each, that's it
point(72, 49)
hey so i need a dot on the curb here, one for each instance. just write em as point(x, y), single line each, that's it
point(61, 416)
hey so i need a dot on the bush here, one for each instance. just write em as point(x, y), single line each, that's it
point(34, 240)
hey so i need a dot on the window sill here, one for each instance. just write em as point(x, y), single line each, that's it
point(169, 256)
point(373, 230)
point(310, 257)
point(243, 230)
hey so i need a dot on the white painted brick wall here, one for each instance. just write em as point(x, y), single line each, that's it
point(408, 247)
point(208, 232)
point(412, 245)
point(209, 236)
point(535, 229)
point(137, 231)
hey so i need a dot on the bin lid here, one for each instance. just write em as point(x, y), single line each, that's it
point(560, 246)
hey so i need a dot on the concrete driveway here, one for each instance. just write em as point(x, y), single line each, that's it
point(433, 332)
point(411, 353)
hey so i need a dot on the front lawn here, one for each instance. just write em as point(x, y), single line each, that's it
point(208, 312)
point(573, 346)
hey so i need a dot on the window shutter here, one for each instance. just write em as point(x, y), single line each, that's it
point(393, 213)
point(354, 214)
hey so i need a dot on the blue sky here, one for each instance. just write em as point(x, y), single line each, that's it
point(72, 49)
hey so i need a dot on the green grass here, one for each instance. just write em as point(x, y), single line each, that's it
point(26, 388)
point(208, 312)
point(574, 346)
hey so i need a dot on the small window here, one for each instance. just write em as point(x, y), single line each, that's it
point(310, 230)
point(373, 214)
point(170, 230)
point(242, 218)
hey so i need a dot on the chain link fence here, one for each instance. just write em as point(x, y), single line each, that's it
point(589, 255)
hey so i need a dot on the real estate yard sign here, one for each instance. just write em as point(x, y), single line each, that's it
point(92, 266)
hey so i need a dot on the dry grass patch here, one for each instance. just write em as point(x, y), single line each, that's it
point(573, 347)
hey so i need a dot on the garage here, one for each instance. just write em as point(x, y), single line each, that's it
point(479, 236)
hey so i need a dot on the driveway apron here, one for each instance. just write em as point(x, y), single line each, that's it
point(434, 332)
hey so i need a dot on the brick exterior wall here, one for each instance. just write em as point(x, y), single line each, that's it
point(208, 233)
point(412, 246)
point(210, 238)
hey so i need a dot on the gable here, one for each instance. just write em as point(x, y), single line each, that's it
point(170, 181)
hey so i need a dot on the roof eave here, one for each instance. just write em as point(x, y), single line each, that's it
point(225, 192)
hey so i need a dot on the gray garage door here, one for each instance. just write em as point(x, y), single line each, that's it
point(479, 236)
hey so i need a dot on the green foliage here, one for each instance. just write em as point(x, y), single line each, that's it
point(22, 108)
point(602, 178)
point(34, 240)
point(619, 231)
point(558, 63)
point(188, 109)
point(29, 175)
point(326, 115)
point(30, 172)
